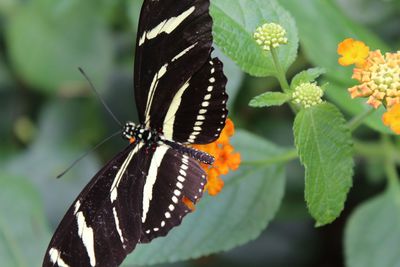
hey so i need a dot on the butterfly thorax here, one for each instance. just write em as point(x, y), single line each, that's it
point(153, 138)
point(139, 132)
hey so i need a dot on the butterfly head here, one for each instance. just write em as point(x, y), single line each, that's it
point(129, 130)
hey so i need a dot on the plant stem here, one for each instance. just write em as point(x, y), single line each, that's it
point(374, 151)
point(370, 150)
point(390, 164)
point(355, 122)
point(281, 158)
point(281, 76)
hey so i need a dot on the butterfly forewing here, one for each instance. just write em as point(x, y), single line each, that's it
point(174, 42)
point(198, 111)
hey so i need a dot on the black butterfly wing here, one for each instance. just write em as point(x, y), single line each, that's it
point(173, 42)
point(172, 177)
point(198, 111)
point(103, 225)
point(136, 197)
point(139, 194)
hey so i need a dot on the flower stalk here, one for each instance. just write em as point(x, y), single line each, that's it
point(283, 158)
point(280, 73)
point(390, 164)
point(356, 121)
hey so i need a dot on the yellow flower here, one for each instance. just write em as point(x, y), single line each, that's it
point(379, 79)
point(391, 118)
point(225, 159)
point(352, 52)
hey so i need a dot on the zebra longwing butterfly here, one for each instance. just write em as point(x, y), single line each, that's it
point(180, 96)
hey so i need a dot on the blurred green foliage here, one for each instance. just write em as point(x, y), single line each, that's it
point(49, 117)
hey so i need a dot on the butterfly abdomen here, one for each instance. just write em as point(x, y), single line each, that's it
point(191, 152)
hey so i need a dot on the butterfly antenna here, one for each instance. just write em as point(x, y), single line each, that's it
point(99, 97)
point(86, 153)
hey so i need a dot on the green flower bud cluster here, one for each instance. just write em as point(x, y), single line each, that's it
point(270, 35)
point(307, 94)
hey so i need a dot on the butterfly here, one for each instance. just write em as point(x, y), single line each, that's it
point(181, 100)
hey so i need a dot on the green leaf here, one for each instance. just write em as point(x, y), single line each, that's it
point(49, 40)
point(5, 76)
point(306, 76)
point(324, 145)
point(234, 24)
point(23, 230)
point(372, 233)
point(245, 206)
point(375, 13)
point(7, 7)
point(269, 99)
point(235, 75)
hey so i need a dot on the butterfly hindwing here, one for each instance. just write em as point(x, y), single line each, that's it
point(176, 177)
point(103, 225)
point(174, 42)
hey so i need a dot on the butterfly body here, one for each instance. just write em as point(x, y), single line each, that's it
point(153, 138)
point(141, 193)
point(150, 137)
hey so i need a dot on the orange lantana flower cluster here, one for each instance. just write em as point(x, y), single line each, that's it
point(379, 77)
point(225, 159)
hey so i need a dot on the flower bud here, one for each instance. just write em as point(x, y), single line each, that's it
point(307, 95)
point(270, 35)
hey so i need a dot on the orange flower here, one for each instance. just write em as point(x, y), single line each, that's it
point(352, 52)
point(227, 132)
point(214, 182)
point(228, 160)
point(379, 75)
point(188, 203)
point(225, 159)
point(391, 118)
